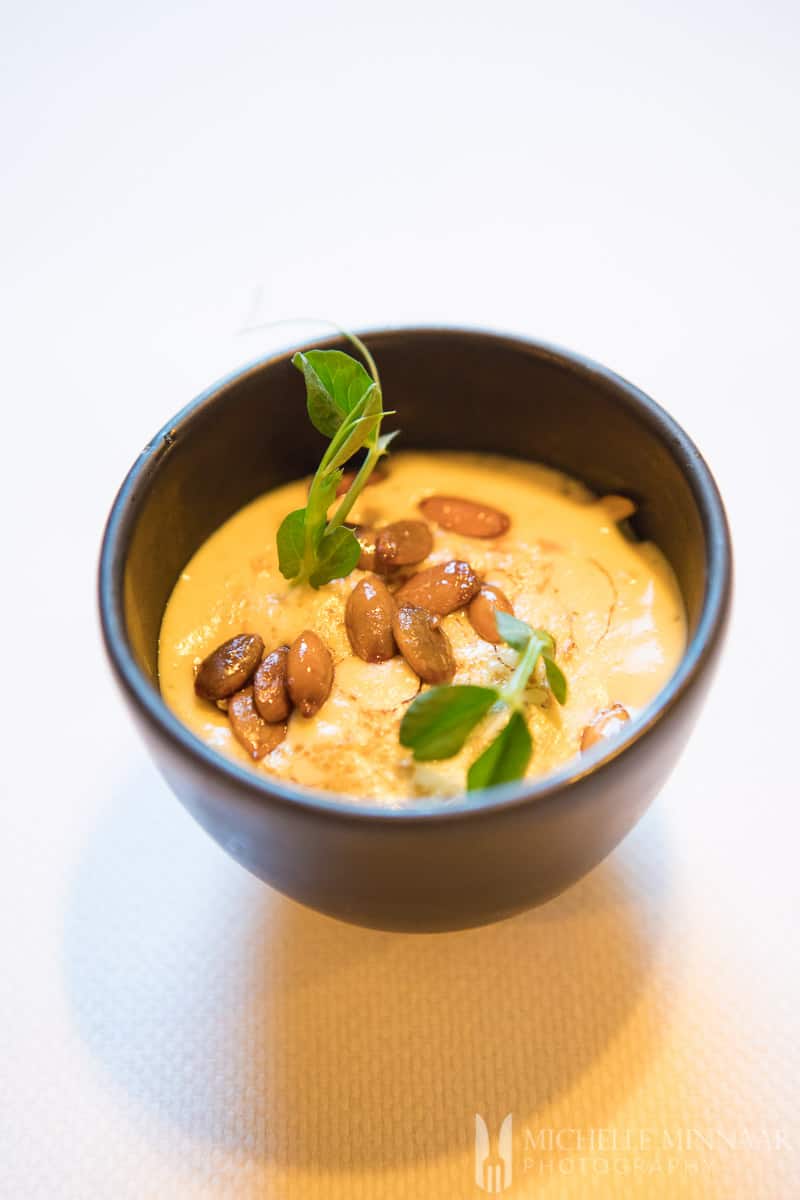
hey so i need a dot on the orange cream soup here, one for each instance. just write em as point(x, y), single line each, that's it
point(612, 604)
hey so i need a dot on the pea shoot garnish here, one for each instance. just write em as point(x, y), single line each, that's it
point(345, 403)
point(438, 722)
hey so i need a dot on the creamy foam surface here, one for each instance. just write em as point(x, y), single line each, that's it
point(613, 606)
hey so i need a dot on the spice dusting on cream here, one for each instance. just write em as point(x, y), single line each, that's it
point(560, 562)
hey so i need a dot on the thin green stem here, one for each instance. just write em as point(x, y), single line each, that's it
point(514, 690)
point(364, 352)
point(345, 442)
point(373, 453)
point(357, 486)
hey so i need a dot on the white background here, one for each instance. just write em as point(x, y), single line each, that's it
point(621, 178)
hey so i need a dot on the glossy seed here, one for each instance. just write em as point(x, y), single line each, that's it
point(228, 668)
point(253, 733)
point(368, 619)
point(423, 644)
point(604, 725)
point(482, 609)
point(270, 692)
point(440, 589)
point(465, 516)
point(309, 673)
point(346, 482)
point(402, 544)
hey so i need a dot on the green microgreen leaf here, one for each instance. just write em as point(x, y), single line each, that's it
point(504, 759)
point(345, 403)
point(555, 679)
point(323, 412)
point(513, 631)
point(337, 554)
point(335, 383)
point(291, 543)
point(438, 722)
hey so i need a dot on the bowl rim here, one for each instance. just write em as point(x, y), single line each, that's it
point(259, 789)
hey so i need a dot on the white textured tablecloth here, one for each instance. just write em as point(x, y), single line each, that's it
point(619, 178)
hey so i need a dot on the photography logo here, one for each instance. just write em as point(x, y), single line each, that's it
point(493, 1172)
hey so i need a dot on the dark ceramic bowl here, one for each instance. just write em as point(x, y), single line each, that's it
point(488, 855)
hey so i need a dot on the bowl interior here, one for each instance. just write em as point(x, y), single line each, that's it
point(453, 389)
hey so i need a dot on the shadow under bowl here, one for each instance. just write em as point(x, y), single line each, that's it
point(427, 866)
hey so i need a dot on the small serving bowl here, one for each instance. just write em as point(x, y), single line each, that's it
point(432, 864)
